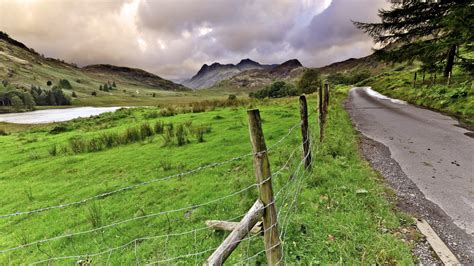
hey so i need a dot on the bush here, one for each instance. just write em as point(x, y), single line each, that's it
point(110, 140)
point(168, 135)
point(59, 129)
point(53, 151)
point(146, 131)
point(64, 83)
point(278, 89)
point(131, 135)
point(181, 135)
point(74, 95)
point(159, 127)
point(151, 115)
point(94, 93)
point(3, 132)
point(95, 144)
point(49, 83)
point(77, 145)
point(168, 111)
point(232, 97)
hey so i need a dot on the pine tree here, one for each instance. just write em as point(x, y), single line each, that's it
point(432, 32)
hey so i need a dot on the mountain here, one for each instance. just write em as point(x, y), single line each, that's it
point(207, 76)
point(21, 66)
point(257, 78)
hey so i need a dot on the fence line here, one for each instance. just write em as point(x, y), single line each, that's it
point(278, 172)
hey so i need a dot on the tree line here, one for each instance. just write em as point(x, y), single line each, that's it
point(26, 99)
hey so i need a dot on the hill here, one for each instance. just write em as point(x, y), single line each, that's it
point(21, 67)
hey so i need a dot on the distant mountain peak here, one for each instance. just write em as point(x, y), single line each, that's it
point(293, 63)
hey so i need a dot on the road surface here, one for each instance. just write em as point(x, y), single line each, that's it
point(431, 149)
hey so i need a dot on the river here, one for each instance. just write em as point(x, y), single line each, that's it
point(54, 115)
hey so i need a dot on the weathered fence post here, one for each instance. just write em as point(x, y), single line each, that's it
point(326, 99)
point(321, 115)
point(414, 80)
point(305, 131)
point(262, 172)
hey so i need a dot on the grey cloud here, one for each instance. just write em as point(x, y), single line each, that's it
point(173, 38)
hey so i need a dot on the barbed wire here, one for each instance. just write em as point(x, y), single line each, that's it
point(278, 172)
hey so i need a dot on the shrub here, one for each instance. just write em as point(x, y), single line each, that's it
point(199, 133)
point(64, 83)
point(168, 135)
point(94, 93)
point(53, 150)
point(94, 215)
point(159, 127)
point(131, 135)
point(151, 115)
point(59, 129)
point(3, 132)
point(110, 140)
point(166, 165)
point(198, 107)
point(181, 135)
point(278, 89)
point(232, 97)
point(74, 95)
point(77, 145)
point(49, 83)
point(95, 144)
point(168, 111)
point(146, 131)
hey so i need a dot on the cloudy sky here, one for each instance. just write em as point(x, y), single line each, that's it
point(173, 38)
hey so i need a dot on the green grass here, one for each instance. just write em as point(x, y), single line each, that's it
point(456, 100)
point(323, 218)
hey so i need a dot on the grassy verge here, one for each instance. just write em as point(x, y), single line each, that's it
point(336, 213)
point(456, 100)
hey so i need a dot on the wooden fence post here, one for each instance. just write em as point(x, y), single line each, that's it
point(326, 99)
point(321, 115)
point(414, 80)
point(273, 247)
point(305, 131)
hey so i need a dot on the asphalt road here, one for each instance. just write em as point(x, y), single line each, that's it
point(431, 149)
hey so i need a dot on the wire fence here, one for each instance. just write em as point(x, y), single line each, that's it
point(286, 200)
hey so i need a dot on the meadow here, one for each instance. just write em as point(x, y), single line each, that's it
point(126, 188)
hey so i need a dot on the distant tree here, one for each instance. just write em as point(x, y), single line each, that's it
point(74, 94)
point(310, 81)
point(114, 85)
point(94, 93)
point(154, 95)
point(278, 89)
point(16, 102)
point(49, 83)
point(232, 97)
point(64, 83)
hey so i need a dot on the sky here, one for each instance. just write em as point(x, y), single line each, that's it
point(174, 38)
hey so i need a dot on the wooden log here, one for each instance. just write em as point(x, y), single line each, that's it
point(233, 240)
point(231, 226)
point(263, 174)
point(305, 131)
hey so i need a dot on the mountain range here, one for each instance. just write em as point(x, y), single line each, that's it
point(209, 75)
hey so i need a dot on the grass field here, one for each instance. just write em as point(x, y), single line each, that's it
point(337, 213)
